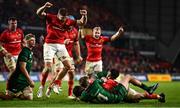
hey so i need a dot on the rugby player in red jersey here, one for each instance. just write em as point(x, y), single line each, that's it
point(94, 45)
point(57, 26)
point(11, 40)
point(70, 42)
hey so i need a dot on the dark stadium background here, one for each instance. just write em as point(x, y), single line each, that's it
point(149, 45)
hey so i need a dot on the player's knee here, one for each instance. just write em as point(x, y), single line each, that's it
point(28, 93)
point(47, 67)
point(30, 97)
point(69, 67)
point(71, 74)
point(128, 76)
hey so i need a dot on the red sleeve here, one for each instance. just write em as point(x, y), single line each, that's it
point(49, 17)
point(106, 39)
point(22, 34)
point(71, 22)
point(87, 37)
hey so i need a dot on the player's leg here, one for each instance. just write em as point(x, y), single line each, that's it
point(98, 66)
point(160, 97)
point(71, 81)
point(27, 94)
point(133, 96)
point(11, 66)
point(68, 67)
point(89, 69)
point(128, 78)
point(6, 96)
point(55, 85)
point(49, 52)
point(92, 68)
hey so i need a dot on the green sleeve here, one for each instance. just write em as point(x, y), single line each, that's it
point(23, 56)
point(101, 74)
point(85, 97)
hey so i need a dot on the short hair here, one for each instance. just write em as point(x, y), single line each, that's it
point(63, 11)
point(77, 91)
point(12, 18)
point(114, 73)
point(29, 36)
point(83, 81)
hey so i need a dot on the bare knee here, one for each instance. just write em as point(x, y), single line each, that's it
point(71, 73)
point(128, 76)
point(47, 67)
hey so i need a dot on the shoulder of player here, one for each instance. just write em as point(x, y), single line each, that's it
point(19, 30)
point(49, 15)
point(25, 50)
point(5, 31)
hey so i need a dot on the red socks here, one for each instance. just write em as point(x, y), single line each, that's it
point(151, 96)
point(57, 82)
point(44, 78)
point(70, 84)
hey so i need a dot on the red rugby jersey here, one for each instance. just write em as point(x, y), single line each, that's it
point(11, 40)
point(56, 29)
point(94, 47)
point(73, 36)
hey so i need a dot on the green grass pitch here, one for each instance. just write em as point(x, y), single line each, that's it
point(171, 89)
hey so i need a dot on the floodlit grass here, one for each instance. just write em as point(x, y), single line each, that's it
point(171, 89)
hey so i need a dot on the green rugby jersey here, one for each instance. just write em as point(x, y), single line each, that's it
point(18, 81)
point(97, 94)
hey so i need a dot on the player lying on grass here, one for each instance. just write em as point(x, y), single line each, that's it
point(133, 96)
point(109, 91)
point(20, 84)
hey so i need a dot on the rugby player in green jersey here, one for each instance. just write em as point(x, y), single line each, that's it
point(20, 84)
point(109, 91)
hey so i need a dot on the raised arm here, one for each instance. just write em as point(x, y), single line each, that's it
point(83, 19)
point(78, 52)
point(118, 34)
point(81, 32)
point(41, 11)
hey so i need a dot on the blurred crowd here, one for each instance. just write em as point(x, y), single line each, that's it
point(126, 61)
point(130, 61)
point(25, 11)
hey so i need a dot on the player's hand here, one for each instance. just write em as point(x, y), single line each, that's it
point(104, 79)
point(48, 5)
point(79, 60)
point(121, 29)
point(31, 84)
point(83, 12)
point(67, 41)
point(8, 55)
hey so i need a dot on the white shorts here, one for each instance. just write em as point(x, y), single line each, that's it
point(92, 67)
point(57, 64)
point(11, 63)
point(50, 50)
point(131, 93)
